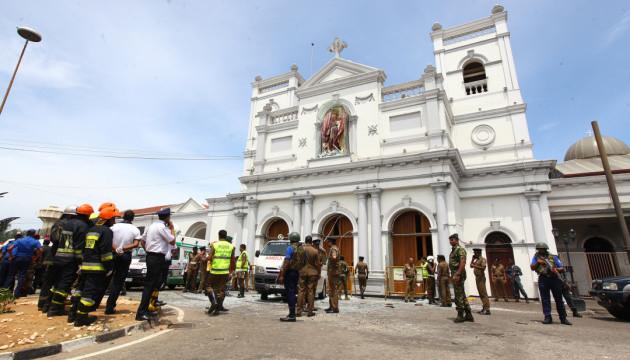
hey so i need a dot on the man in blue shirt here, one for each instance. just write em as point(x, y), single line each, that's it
point(8, 252)
point(289, 273)
point(25, 248)
point(549, 267)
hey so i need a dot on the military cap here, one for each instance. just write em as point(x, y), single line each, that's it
point(164, 212)
point(477, 249)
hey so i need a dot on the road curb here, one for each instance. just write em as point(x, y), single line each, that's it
point(70, 345)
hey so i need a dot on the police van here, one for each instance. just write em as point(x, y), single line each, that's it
point(267, 268)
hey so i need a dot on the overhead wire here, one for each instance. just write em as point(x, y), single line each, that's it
point(130, 157)
point(118, 186)
point(81, 148)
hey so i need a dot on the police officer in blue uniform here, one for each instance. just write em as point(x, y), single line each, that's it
point(289, 274)
point(548, 267)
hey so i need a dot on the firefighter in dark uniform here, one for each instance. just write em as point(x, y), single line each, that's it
point(47, 264)
point(97, 263)
point(49, 276)
point(68, 258)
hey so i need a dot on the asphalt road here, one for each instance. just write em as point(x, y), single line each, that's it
point(371, 328)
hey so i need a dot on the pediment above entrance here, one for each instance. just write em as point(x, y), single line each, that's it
point(340, 73)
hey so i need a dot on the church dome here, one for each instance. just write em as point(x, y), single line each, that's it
point(586, 148)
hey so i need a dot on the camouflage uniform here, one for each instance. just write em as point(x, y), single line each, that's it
point(461, 302)
point(333, 278)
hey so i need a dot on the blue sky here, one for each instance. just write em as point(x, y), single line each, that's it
point(174, 77)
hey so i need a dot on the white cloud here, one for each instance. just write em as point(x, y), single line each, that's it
point(617, 29)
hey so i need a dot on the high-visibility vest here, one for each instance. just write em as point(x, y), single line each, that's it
point(240, 264)
point(425, 271)
point(221, 257)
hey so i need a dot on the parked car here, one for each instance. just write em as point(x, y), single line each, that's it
point(137, 269)
point(613, 293)
point(267, 268)
point(175, 275)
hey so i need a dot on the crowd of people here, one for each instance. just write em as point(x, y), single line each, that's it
point(89, 252)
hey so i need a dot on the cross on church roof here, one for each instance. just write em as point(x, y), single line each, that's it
point(337, 46)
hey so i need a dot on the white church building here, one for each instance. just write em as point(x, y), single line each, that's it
point(390, 170)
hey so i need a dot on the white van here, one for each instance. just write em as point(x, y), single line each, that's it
point(267, 268)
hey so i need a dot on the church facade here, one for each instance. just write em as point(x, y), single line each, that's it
point(391, 170)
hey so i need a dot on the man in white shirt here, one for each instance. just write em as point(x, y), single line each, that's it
point(126, 238)
point(156, 240)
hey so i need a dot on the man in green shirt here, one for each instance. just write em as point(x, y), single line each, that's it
point(457, 265)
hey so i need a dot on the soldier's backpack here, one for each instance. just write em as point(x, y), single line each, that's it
point(298, 260)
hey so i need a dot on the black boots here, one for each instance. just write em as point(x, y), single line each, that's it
point(213, 310)
point(468, 316)
point(460, 317)
point(484, 312)
point(464, 316)
point(290, 317)
point(547, 320)
point(564, 321)
point(576, 313)
point(84, 320)
point(56, 310)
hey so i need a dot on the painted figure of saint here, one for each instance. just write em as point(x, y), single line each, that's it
point(333, 131)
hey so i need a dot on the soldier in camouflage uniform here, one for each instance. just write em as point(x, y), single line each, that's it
point(457, 264)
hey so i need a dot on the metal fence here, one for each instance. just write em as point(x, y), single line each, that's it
point(601, 265)
point(395, 283)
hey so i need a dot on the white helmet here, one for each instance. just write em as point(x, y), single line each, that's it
point(429, 258)
point(70, 210)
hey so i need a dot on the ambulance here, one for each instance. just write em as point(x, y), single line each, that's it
point(267, 268)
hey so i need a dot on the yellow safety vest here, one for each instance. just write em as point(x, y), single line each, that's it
point(240, 264)
point(221, 257)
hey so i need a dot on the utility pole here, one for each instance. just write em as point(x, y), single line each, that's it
point(611, 186)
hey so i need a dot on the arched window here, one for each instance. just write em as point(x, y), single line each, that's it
point(598, 245)
point(475, 78)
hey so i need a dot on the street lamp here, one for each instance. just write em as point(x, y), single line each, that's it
point(566, 239)
point(27, 34)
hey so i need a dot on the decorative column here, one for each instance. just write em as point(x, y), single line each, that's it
point(252, 210)
point(363, 230)
point(297, 215)
point(439, 189)
point(240, 221)
point(308, 215)
point(431, 93)
point(538, 225)
point(375, 261)
point(261, 138)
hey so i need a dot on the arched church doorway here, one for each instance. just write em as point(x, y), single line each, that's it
point(339, 227)
point(277, 229)
point(197, 231)
point(600, 255)
point(499, 247)
point(411, 237)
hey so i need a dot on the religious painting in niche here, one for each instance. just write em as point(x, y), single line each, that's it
point(333, 131)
